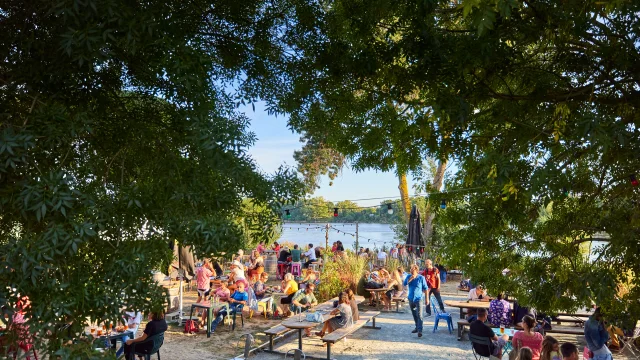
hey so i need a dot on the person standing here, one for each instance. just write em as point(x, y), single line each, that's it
point(597, 336)
point(433, 280)
point(417, 290)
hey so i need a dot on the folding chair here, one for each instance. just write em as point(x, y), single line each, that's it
point(479, 340)
point(629, 344)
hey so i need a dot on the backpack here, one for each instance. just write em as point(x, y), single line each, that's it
point(190, 327)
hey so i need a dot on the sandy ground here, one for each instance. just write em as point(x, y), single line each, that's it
point(393, 341)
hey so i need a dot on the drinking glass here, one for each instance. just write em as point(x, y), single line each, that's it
point(99, 332)
point(502, 329)
point(93, 329)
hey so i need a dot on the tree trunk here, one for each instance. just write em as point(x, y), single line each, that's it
point(404, 196)
point(436, 185)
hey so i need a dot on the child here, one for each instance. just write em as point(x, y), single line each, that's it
point(260, 286)
point(550, 349)
point(525, 353)
point(238, 298)
point(569, 351)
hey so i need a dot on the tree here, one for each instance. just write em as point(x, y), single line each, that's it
point(533, 100)
point(117, 135)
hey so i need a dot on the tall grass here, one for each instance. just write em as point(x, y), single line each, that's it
point(341, 274)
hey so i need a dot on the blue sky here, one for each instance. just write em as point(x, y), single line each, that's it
point(275, 147)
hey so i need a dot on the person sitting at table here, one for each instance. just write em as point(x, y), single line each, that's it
point(289, 287)
point(303, 300)
point(310, 255)
point(237, 274)
point(343, 318)
point(569, 351)
point(283, 257)
point(156, 326)
point(257, 264)
point(203, 280)
point(222, 293)
point(132, 319)
point(239, 297)
point(309, 278)
point(355, 314)
point(260, 248)
point(479, 328)
point(296, 254)
point(260, 286)
point(394, 284)
point(500, 311)
point(528, 337)
point(550, 349)
point(478, 294)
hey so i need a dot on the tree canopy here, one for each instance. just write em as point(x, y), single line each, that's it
point(118, 134)
point(536, 102)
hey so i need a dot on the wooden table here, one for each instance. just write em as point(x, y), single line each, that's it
point(299, 322)
point(467, 305)
point(375, 293)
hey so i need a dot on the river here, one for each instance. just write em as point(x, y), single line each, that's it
point(370, 235)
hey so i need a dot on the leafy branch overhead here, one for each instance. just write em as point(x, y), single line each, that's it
point(316, 159)
point(118, 134)
point(535, 102)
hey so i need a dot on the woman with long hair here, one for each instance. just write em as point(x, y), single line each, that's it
point(528, 337)
point(343, 317)
point(156, 326)
point(355, 314)
point(550, 349)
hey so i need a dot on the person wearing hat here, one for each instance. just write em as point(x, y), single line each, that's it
point(237, 274)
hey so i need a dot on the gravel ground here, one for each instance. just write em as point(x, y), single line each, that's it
point(393, 341)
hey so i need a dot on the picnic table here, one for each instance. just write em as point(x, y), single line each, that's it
point(300, 323)
point(217, 305)
point(375, 293)
point(467, 305)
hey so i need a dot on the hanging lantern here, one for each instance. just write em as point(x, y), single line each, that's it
point(389, 209)
point(335, 212)
point(443, 204)
point(634, 181)
point(565, 191)
point(287, 213)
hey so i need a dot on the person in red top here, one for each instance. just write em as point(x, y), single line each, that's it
point(432, 276)
point(528, 337)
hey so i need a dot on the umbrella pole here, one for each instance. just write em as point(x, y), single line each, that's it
point(180, 274)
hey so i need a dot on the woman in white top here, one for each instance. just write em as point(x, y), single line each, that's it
point(132, 319)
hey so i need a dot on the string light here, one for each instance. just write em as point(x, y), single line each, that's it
point(443, 204)
point(389, 209)
point(634, 181)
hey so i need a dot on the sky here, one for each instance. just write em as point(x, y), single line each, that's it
point(275, 147)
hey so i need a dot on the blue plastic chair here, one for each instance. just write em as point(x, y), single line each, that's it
point(440, 315)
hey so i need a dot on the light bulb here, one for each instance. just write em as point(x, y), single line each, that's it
point(389, 209)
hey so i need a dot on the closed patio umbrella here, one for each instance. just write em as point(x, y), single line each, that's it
point(414, 239)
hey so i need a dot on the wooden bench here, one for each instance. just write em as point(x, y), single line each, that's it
point(398, 301)
point(462, 323)
point(275, 331)
point(341, 333)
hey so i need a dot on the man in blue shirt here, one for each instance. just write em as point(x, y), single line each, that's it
point(417, 289)
point(238, 298)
